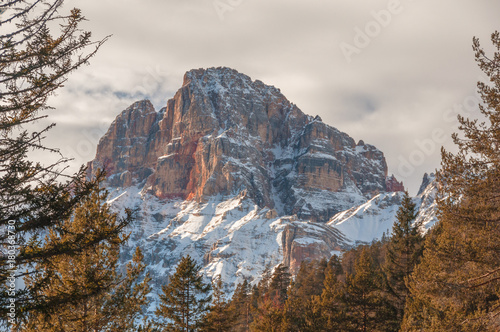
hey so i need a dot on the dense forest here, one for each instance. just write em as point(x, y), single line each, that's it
point(61, 238)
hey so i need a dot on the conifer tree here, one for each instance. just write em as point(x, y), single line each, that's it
point(279, 284)
point(268, 315)
point(219, 317)
point(148, 326)
point(269, 312)
point(303, 305)
point(40, 45)
point(333, 312)
point(96, 296)
point(363, 298)
point(404, 249)
point(185, 298)
point(294, 315)
point(302, 315)
point(309, 279)
point(457, 285)
point(293, 312)
point(240, 307)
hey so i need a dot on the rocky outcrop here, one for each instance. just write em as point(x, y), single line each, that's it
point(223, 133)
point(393, 185)
point(308, 242)
point(426, 181)
point(427, 202)
point(123, 150)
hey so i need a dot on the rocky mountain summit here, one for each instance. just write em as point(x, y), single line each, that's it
point(241, 179)
point(223, 133)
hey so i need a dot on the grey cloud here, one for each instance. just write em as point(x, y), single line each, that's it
point(394, 94)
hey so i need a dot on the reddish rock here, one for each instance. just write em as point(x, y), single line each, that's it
point(307, 242)
point(223, 133)
point(393, 185)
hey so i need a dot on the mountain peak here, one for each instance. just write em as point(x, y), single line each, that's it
point(214, 72)
point(427, 179)
point(223, 133)
point(225, 81)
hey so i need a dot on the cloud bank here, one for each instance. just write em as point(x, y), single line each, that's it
point(392, 73)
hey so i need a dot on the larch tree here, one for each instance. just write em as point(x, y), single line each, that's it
point(218, 318)
point(333, 312)
point(280, 281)
point(268, 315)
point(39, 47)
point(404, 250)
point(457, 285)
point(184, 299)
point(363, 299)
point(95, 295)
point(269, 312)
point(302, 311)
point(240, 307)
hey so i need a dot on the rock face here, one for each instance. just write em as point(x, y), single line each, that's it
point(393, 185)
point(310, 241)
point(123, 151)
point(223, 133)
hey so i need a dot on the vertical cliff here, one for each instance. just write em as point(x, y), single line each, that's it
point(223, 133)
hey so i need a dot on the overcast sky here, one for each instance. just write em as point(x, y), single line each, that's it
point(392, 73)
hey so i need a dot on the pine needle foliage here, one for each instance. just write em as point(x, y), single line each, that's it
point(95, 295)
point(404, 250)
point(184, 299)
point(457, 285)
point(40, 47)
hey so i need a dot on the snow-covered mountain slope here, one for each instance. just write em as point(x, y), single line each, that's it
point(369, 221)
point(426, 201)
point(233, 238)
point(238, 240)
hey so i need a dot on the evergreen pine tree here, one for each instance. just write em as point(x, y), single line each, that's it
point(185, 298)
point(40, 45)
point(269, 313)
point(363, 298)
point(240, 308)
point(279, 284)
point(148, 326)
point(294, 315)
point(404, 250)
point(333, 312)
point(302, 315)
point(457, 285)
point(95, 295)
point(303, 306)
point(219, 317)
